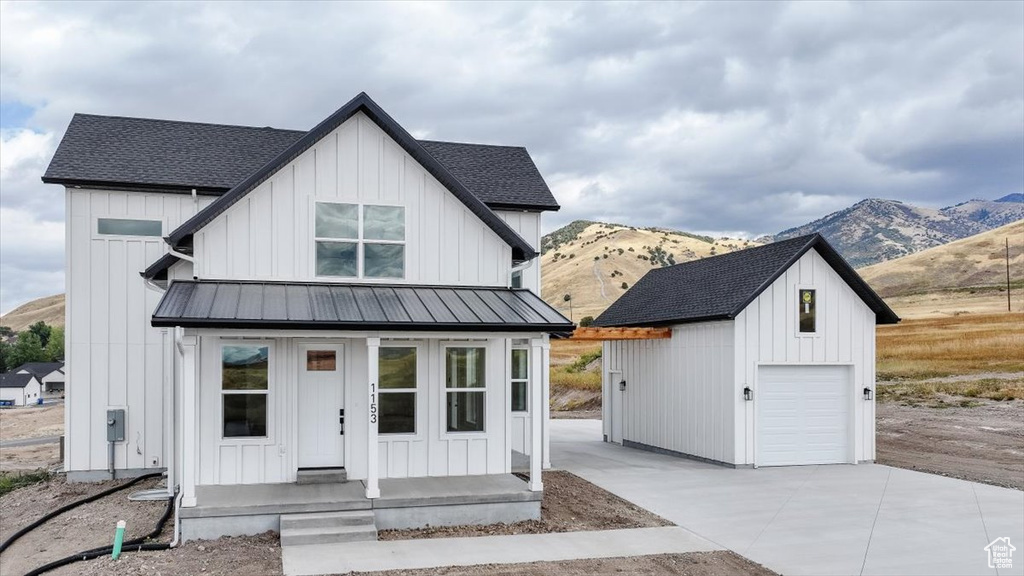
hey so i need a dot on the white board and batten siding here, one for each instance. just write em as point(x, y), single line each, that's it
point(528, 226)
point(766, 335)
point(431, 451)
point(268, 235)
point(675, 398)
point(685, 394)
point(115, 358)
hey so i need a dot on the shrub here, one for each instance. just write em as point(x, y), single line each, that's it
point(586, 321)
point(625, 286)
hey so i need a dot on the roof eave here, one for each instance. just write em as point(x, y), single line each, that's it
point(134, 186)
point(169, 322)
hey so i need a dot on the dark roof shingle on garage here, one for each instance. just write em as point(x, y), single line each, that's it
point(720, 287)
point(322, 306)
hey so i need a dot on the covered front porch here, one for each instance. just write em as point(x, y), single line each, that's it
point(426, 420)
point(404, 503)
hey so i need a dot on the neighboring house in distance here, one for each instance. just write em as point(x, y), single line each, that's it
point(771, 359)
point(272, 308)
point(49, 374)
point(19, 389)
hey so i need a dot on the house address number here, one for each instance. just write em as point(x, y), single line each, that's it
point(373, 403)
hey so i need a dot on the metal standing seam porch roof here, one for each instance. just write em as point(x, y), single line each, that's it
point(319, 306)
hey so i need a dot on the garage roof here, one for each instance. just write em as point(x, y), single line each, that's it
point(720, 287)
point(320, 306)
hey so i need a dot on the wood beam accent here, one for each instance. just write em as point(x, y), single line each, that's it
point(593, 333)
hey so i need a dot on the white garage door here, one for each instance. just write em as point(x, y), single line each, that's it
point(803, 415)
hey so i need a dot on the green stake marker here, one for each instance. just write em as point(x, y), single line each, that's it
point(118, 540)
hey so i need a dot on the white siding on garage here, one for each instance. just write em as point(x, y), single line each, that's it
point(268, 235)
point(114, 356)
point(678, 395)
point(766, 334)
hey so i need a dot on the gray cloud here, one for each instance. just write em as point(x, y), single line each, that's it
point(741, 117)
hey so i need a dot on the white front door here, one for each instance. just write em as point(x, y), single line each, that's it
point(614, 378)
point(803, 415)
point(321, 406)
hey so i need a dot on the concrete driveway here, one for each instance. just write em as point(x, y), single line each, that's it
point(815, 520)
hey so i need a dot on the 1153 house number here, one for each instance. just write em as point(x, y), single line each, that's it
point(373, 403)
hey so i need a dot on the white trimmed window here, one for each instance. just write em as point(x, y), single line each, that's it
point(398, 374)
point(520, 380)
point(245, 384)
point(128, 227)
point(465, 388)
point(808, 315)
point(359, 240)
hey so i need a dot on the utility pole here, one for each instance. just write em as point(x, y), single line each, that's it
point(1008, 308)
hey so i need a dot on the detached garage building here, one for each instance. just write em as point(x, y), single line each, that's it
point(771, 359)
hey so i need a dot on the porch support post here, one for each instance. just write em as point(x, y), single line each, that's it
point(189, 448)
point(546, 391)
point(372, 471)
point(537, 414)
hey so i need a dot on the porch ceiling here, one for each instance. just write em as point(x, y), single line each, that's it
point(322, 306)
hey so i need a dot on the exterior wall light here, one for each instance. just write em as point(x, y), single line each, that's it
point(748, 394)
point(622, 385)
point(868, 394)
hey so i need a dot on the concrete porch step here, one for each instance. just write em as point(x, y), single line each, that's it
point(327, 528)
point(322, 476)
point(327, 519)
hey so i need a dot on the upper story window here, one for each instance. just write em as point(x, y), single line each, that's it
point(129, 227)
point(360, 241)
point(808, 313)
point(517, 279)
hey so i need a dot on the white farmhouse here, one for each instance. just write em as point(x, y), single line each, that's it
point(770, 359)
point(19, 389)
point(339, 321)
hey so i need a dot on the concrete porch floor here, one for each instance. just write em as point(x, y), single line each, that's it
point(404, 503)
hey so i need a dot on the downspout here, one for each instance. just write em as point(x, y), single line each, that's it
point(172, 463)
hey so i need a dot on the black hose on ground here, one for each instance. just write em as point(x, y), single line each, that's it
point(134, 545)
point(14, 537)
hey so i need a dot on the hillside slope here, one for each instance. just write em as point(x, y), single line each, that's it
point(974, 262)
point(49, 309)
point(591, 261)
point(876, 230)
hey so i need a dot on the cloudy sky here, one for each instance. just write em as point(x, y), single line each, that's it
point(737, 118)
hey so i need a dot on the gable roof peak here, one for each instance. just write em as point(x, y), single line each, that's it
point(521, 250)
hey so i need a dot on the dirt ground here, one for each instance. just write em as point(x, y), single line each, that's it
point(249, 556)
point(30, 457)
point(576, 414)
point(693, 564)
point(982, 441)
point(570, 504)
point(88, 526)
point(32, 421)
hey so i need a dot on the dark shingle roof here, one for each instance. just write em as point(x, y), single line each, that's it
point(174, 156)
point(12, 380)
point(720, 287)
point(319, 306)
point(162, 154)
point(501, 176)
point(521, 249)
point(40, 369)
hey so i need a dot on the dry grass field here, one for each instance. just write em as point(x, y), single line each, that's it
point(972, 263)
point(49, 309)
point(593, 266)
point(968, 344)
